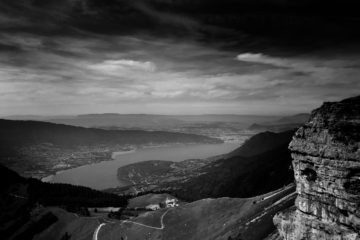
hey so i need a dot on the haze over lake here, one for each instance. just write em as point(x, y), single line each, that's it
point(103, 175)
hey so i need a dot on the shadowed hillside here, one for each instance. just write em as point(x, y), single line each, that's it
point(24, 132)
point(20, 196)
point(261, 165)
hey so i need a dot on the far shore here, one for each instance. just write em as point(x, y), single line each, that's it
point(50, 178)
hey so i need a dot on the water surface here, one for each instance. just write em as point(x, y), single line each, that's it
point(103, 175)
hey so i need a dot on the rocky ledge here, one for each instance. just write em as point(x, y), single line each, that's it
point(326, 163)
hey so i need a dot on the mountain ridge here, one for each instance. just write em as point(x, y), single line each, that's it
point(40, 149)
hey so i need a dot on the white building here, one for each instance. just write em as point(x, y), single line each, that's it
point(171, 202)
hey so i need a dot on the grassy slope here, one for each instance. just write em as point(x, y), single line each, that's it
point(203, 219)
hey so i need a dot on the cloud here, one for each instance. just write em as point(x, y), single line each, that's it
point(122, 64)
point(138, 74)
point(262, 59)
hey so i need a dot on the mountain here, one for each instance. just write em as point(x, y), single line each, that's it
point(124, 121)
point(22, 132)
point(282, 124)
point(260, 165)
point(39, 149)
point(261, 143)
point(146, 121)
point(244, 172)
point(326, 160)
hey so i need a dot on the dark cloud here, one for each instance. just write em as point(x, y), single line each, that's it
point(282, 23)
point(209, 56)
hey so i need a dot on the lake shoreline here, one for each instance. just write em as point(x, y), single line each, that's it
point(103, 175)
point(50, 178)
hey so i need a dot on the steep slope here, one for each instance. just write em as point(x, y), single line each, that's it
point(261, 143)
point(20, 197)
point(241, 176)
point(245, 173)
point(260, 165)
point(326, 160)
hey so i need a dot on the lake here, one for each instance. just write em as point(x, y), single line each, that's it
point(103, 175)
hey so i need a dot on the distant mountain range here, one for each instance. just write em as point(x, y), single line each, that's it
point(151, 121)
point(22, 132)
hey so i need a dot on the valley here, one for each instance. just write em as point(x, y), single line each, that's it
point(39, 149)
point(236, 173)
point(179, 120)
point(234, 194)
point(104, 174)
point(49, 147)
point(133, 176)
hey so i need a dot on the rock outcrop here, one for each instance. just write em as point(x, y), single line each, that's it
point(326, 163)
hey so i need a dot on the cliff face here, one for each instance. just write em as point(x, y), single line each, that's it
point(326, 163)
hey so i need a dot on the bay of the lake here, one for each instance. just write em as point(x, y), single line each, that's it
point(104, 174)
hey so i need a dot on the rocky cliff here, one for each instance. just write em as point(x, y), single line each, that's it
point(326, 163)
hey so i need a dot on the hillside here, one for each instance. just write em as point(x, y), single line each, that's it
point(19, 197)
point(261, 143)
point(38, 149)
point(223, 126)
point(35, 210)
point(211, 219)
point(241, 176)
point(146, 121)
point(260, 165)
point(281, 124)
point(24, 132)
point(122, 121)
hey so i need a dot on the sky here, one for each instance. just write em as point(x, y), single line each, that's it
point(76, 57)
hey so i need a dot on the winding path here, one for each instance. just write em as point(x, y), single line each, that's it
point(96, 232)
point(95, 235)
point(144, 225)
